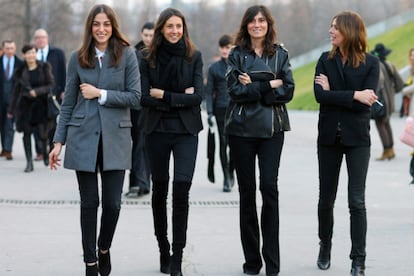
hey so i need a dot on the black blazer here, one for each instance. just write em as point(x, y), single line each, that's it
point(57, 60)
point(337, 106)
point(5, 96)
point(188, 105)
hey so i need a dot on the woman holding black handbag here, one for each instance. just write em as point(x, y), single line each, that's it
point(260, 83)
point(345, 81)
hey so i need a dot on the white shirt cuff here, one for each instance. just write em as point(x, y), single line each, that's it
point(102, 98)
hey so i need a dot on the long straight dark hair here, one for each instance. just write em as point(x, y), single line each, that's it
point(243, 37)
point(158, 36)
point(116, 44)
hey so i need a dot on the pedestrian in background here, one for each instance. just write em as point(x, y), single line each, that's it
point(9, 63)
point(390, 83)
point(217, 100)
point(407, 107)
point(345, 81)
point(95, 125)
point(260, 84)
point(408, 90)
point(29, 102)
point(56, 58)
point(139, 177)
point(172, 89)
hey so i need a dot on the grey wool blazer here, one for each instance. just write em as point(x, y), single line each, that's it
point(82, 123)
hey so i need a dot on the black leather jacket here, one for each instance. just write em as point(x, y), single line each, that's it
point(256, 109)
point(217, 95)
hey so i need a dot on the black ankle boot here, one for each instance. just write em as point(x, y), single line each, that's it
point(92, 270)
point(28, 153)
point(324, 258)
point(104, 261)
point(228, 180)
point(358, 271)
point(29, 166)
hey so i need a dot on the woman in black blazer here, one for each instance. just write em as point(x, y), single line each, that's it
point(345, 79)
point(172, 83)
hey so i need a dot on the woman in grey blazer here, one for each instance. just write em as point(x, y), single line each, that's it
point(103, 83)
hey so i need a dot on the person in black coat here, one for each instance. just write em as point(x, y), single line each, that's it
point(29, 102)
point(217, 100)
point(56, 58)
point(172, 87)
point(139, 177)
point(345, 81)
point(260, 84)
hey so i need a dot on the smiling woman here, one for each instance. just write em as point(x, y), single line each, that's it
point(101, 31)
point(102, 85)
point(344, 85)
point(172, 86)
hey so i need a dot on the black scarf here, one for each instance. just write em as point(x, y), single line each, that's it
point(170, 61)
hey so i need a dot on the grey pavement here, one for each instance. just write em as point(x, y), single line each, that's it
point(40, 232)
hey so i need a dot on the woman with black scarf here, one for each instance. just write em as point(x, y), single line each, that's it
point(172, 83)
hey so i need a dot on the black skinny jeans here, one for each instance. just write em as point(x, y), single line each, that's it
point(268, 150)
point(226, 162)
point(357, 159)
point(112, 183)
point(184, 150)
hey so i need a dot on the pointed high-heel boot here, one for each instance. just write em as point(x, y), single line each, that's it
point(165, 263)
point(176, 260)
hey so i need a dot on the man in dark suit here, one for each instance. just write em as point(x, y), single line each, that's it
point(139, 177)
point(9, 62)
point(56, 58)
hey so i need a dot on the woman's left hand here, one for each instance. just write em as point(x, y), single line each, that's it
point(189, 90)
point(89, 91)
point(156, 93)
point(323, 81)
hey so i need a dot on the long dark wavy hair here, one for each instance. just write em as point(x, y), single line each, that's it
point(352, 27)
point(158, 36)
point(243, 37)
point(116, 44)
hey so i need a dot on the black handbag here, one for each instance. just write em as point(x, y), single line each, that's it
point(378, 111)
point(53, 107)
point(211, 148)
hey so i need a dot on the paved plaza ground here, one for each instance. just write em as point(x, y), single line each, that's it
point(40, 232)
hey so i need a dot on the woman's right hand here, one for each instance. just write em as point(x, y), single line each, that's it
point(276, 83)
point(54, 160)
point(244, 79)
